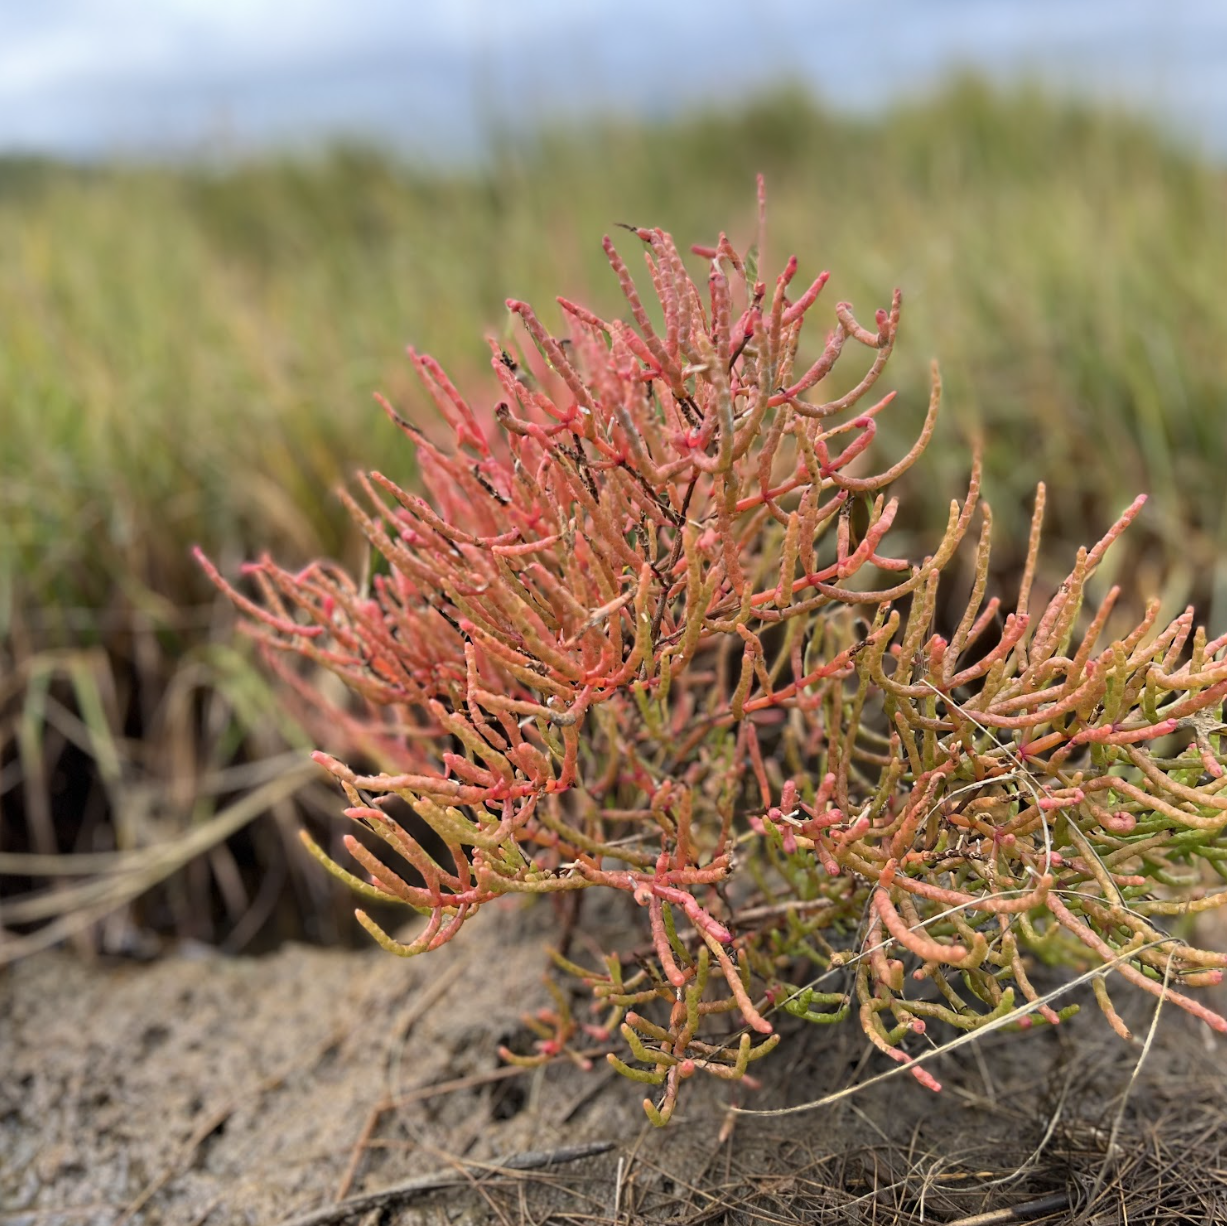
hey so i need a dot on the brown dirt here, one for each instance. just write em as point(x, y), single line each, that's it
point(203, 1090)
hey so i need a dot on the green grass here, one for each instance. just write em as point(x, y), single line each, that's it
point(188, 354)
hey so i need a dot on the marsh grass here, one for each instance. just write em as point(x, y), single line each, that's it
point(188, 356)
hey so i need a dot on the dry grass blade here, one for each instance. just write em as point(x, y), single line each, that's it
point(1011, 1018)
point(130, 874)
point(459, 1174)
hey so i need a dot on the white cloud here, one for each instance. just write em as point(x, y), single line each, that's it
point(82, 75)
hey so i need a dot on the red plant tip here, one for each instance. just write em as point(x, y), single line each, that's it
point(685, 1069)
point(1120, 822)
point(1025, 1023)
point(707, 253)
point(202, 560)
point(689, 440)
point(1048, 803)
point(917, 1025)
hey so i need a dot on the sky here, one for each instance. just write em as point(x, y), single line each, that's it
point(91, 78)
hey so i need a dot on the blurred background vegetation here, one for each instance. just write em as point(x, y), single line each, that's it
point(187, 355)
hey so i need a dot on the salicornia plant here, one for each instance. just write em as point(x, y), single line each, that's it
point(644, 633)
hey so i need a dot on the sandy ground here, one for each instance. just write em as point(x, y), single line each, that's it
point(201, 1089)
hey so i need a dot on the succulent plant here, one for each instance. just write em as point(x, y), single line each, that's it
point(643, 633)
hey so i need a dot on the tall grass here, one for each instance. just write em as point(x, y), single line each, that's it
point(187, 355)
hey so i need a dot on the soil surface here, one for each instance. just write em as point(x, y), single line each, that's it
point(317, 1086)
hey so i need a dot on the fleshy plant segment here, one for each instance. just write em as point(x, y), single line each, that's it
point(644, 633)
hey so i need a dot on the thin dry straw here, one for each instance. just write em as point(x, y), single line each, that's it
point(1006, 1019)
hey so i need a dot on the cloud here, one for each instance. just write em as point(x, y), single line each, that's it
point(86, 76)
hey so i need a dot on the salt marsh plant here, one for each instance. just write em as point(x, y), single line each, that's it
point(644, 633)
